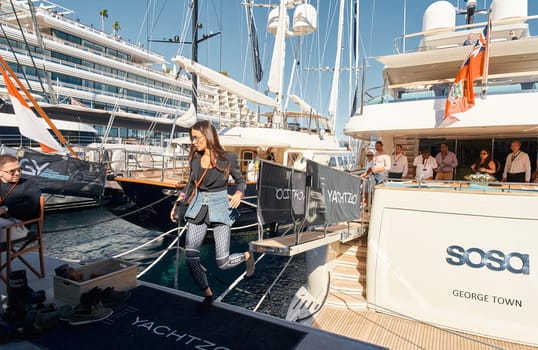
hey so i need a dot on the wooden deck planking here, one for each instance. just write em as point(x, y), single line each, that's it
point(399, 333)
point(288, 245)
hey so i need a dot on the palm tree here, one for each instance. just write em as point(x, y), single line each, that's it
point(115, 27)
point(104, 14)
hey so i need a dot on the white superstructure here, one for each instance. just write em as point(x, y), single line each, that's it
point(411, 106)
point(69, 63)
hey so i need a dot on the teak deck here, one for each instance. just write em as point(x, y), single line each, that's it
point(292, 244)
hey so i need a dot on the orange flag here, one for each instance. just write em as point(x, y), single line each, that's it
point(29, 124)
point(461, 95)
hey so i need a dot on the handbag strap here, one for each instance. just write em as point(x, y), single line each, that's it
point(199, 181)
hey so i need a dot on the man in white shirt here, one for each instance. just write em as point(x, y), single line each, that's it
point(518, 165)
point(399, 165)
point(425, 164)
point(381, 163)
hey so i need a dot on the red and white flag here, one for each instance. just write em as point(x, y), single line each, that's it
point(76, 102)
point(30, 125)
point(461, 95)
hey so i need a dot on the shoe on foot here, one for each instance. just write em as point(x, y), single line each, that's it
point(250, 264)
point(205, 305)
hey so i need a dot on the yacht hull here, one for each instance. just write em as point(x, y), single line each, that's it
point(462, 259)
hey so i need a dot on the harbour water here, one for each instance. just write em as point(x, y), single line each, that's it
point(93, 234)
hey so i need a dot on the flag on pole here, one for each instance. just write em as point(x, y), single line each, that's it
point(461, 95)
point(75, 102)
point(29, 124)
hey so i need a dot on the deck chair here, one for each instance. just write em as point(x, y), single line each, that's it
point(17, 247)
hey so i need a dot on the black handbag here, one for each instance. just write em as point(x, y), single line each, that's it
point(181, 206)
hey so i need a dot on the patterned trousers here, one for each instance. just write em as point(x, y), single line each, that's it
point(193, 243)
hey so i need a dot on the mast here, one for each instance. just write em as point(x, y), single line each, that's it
point(276, 74)
point(336, 74)
point(194, 77)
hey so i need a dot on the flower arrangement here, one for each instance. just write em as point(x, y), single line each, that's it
point(480, 178)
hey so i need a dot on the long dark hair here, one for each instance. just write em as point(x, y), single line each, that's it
point(216, 150)
point(483, 164)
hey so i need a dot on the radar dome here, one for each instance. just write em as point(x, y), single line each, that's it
point(502, 9)
point(272, 21)
point(305, 19)
point(439, 16)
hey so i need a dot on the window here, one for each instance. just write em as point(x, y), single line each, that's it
point(332, 162)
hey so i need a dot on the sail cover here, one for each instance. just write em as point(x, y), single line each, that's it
point(333, 195)
point(281, 193)
point(57, 174)
point(224, 82)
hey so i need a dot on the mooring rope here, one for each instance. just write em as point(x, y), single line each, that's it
point(109, 219)
point(163, 254)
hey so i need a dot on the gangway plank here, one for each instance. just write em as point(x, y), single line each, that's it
point(293, 244)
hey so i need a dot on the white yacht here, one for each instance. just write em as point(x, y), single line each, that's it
point(83, 74)
point(444, 264)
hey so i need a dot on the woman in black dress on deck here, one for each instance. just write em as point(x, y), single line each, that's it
point(485, 164)
point(211, 167)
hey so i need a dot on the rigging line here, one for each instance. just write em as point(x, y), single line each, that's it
point(329, 24)
point(15, 56)
point(233, 285)
point(219, 25)
point(158, 17)
point(111, 219)
point(371, 29)
point(183, 33)
point(15, 12)
point(272, 284)
point(150, 241)
point(150, 266)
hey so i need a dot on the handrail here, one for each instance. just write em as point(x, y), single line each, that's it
point(272, 284)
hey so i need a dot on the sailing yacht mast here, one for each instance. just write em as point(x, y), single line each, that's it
point(194, 77)
point(336, 75)
point(276, 74)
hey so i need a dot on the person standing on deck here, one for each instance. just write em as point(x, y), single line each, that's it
point(270, 155)
point(399, 165)
point(446, 162)
point(485, 164)
point(518, 165)
point(381, 163)
point(210, 167)
point(425, 164)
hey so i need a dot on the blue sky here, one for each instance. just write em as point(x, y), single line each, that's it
point(380, 22)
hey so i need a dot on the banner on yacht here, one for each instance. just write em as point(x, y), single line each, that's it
point(333, 196)
point(281, 193)
point(57, 174)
